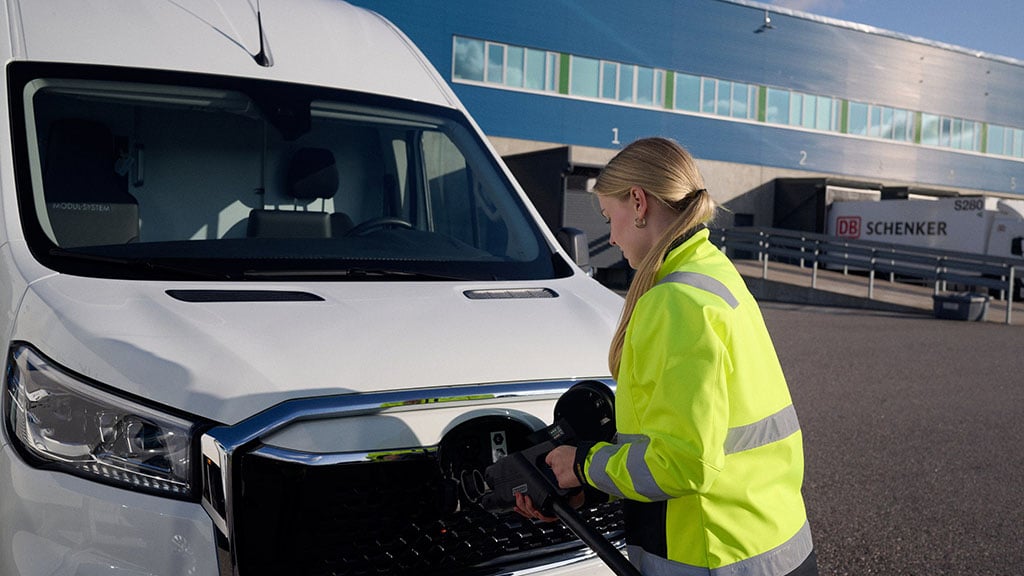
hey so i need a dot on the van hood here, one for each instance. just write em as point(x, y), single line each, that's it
point(234, 353)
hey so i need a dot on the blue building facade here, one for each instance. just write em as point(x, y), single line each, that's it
point(741, 84)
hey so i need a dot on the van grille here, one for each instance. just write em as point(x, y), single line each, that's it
point(383, 518)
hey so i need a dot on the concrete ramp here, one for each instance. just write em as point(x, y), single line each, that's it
point(791, 284)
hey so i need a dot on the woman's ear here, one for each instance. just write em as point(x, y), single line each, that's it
point(638, 196)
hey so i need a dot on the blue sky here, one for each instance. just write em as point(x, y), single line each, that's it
point(994, 26)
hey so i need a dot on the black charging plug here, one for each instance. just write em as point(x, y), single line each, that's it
point(523, 472)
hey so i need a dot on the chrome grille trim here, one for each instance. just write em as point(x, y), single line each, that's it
point(331, 459)
point(220, 444)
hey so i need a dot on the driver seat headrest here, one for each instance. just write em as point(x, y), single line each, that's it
point(313, 174)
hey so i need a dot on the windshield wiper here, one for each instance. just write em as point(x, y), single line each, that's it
point(142, 264)
point(351, 273)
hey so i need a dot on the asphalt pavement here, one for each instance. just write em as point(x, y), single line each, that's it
point(913, 433)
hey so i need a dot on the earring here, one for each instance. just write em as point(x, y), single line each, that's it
point(640, 222)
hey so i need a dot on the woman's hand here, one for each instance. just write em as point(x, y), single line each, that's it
point(561, 461)
point(524, 506)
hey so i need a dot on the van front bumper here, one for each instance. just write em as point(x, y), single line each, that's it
point(56, 524)
point(301, 509)
point(307, 488)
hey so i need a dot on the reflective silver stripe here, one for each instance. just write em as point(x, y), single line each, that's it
point(598, 471)
point(704, 282)
point(778, 561)
point(643, 480)
point(636, 466)
point(765, 431)
point(778, 426)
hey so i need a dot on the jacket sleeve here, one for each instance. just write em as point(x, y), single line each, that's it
point(677, 362)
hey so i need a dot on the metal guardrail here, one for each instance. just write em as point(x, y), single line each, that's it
point(900, 262)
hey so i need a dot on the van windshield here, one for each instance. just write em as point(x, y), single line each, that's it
point(136, 174)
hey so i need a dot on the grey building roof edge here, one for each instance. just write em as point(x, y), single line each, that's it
point(772, 8)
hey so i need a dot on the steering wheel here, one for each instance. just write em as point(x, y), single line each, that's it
point(376, 223)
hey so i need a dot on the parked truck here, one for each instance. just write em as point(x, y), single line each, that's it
point(974, 224)
point(268, 299)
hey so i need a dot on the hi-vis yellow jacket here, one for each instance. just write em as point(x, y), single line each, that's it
point(709, 452)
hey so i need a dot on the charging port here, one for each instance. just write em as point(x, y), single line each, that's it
point(469, 448)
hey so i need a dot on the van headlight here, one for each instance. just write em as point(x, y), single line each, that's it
point(61, 422)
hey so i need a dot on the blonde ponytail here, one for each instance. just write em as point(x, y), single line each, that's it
point(665, 170)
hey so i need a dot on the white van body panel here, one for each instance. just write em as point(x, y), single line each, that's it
point(240, 358)
point(364, 52)
point(229, 366)
point(62, 525)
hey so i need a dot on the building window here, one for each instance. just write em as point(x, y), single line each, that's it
point(903, 128)
point(1005, 141)
point(778, 106)
point(514, 66)
point(626, 81)
point(801, 113)
point(533, 74)
point(644, 86)
point(495, 63)
point(969, 131)
point(554, 74)
point(537, 70)
point(825, 114)
point(469, 59)
point(886, 127)
point(885, 122)
point(631, 84)
point(996, 140)
point(708, 95)
point(687, 93)
point(875, 122)
point(724, 102)
point(857, 119)
point(945, 132)
point(740, 101)
point(609, 80)
point(659, 88)
point(930, 129)
point(799, 109)
point(956, 133)
point(583, 76)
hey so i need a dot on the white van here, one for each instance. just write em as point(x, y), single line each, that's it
point(268, 297)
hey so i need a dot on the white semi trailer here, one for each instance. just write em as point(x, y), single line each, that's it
point(979, 225)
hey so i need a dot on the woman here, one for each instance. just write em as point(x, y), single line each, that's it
point(709, 455)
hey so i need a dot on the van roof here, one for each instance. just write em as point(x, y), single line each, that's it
point(321, 42)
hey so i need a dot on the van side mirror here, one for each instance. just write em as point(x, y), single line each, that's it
point(574, 241)
point(1015, 246)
